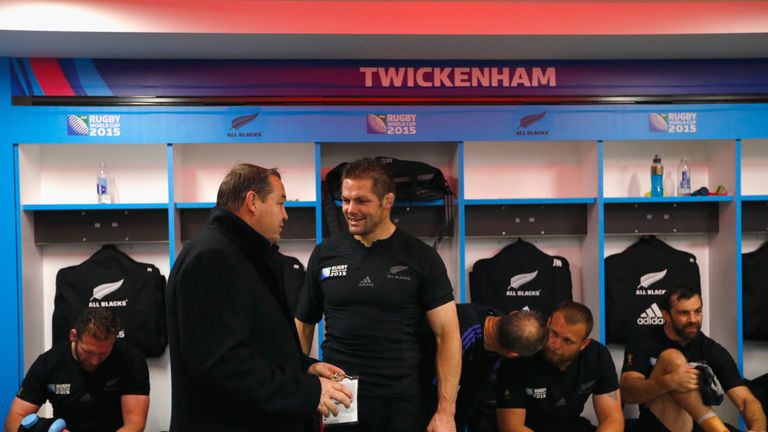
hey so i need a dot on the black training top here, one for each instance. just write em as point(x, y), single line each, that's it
point(754, 300)
point(552, 398)
point(374, 299)
point(88, 401)
point(635, 282)
point(521, 276)
point(476, 363)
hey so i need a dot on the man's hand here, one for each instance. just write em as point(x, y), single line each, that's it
point(325, 370)
point(684, 379)
point(442, 422)
point(330, 393)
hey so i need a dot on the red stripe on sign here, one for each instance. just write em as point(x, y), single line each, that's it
point(51, 78)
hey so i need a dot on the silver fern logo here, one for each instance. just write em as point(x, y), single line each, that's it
point(106, 289)
point(397, 269)
point(515, 282)
point(240, 127)
point(649, 279)
point(397, 272)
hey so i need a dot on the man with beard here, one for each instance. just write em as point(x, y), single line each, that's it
point(375, 286)
point(547, 392)
point(674, 394)
point(94, 381)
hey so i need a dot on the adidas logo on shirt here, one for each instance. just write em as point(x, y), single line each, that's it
point(651, 316)
point(366, 282)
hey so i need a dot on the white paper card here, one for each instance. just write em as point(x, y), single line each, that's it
point(346, 415)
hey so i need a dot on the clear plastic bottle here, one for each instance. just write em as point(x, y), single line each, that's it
point(657, 177)
point(683, 178)
point(102, 185)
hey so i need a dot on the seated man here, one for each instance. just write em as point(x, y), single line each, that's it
point(547, 392)
point(487, 336)
point(657, 373)
point(94, 382)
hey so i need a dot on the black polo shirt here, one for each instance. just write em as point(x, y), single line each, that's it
point(554, 399)
point(88, 401)
point(374, 299)
point(642, 353)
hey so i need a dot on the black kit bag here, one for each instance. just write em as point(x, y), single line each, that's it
point(754, 298)
point(109, 278)
point(414, 181)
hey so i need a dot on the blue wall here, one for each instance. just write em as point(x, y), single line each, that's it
point(10, 283)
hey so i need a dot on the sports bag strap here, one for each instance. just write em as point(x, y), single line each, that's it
point(448, 215)
point(329, 210)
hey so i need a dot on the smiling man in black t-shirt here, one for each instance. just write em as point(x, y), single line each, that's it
point(375, 287)
point(657, 373)
point(547, 392)
point(94, 382)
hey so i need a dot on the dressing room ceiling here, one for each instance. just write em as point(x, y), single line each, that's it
point(348, 29)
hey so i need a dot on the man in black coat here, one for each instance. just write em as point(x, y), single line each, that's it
point(236, 362)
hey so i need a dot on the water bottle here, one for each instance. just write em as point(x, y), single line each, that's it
point(102, 185)
point(683, 178)
point(657, 177)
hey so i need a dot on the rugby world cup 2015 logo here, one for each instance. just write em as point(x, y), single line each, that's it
point(673, 122)
point(657, 122)
point(377, 124)
point(77, 125)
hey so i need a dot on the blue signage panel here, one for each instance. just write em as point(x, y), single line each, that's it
point(105, 125)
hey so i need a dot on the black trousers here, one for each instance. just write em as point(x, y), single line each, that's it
point(386, 415)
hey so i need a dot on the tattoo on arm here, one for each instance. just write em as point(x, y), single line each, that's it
point(613, 396)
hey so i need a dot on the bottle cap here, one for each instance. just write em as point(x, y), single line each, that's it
point(58, 426)
point(30, 420)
